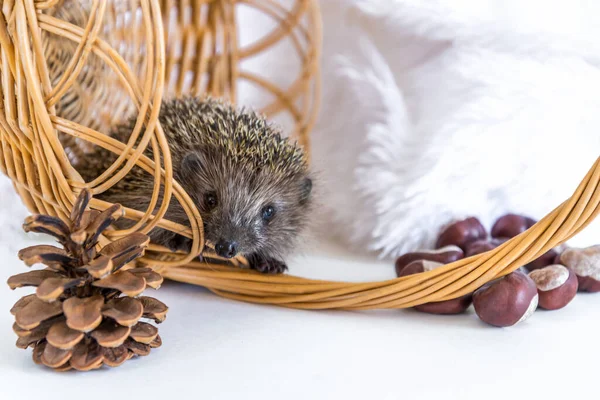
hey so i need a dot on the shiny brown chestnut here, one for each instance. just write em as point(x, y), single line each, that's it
point(419, 266)
point(510, 225)
point(446, 307)
point(445, 255)
point(481, 246)
point(585, 263)
point(478, 247)
point(557, 286)
point(544, 260)
point(506, 301)
point(461, 233)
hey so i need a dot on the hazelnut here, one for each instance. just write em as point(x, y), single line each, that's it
point(461, 233)
point(506, 301)
point(481, 246)
point(453, 306)
point(445, 255)
point(544, 260)
point(556, 284)
point(510, 225)
point(585, 263)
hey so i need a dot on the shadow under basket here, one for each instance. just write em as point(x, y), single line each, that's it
point(71, 69)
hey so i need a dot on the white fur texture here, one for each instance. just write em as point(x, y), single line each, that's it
point(443, 109)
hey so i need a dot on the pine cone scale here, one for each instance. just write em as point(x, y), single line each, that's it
point(153, 279)
point(44, 254)
point(27, 339)
point(21, 303)
point(154, 309)
point(46, 224)
point(99, 267)
point(157, 342)
point(110, 334)
point(86, 220)
point(50, 289)
point(64, 367)
point(127, 256)
point(20, 331)
point(123, 281)
point(137, 348)
point(144, 333)
point(79, 208)
point(125, 310)
point(55, 357)
point(87, 356)
point(115, 356)
point(123, 245)
point(102, 221)
point(32, 278)
point(83, 314)
point(38, 350)
point(35, 312)
point(63, 337)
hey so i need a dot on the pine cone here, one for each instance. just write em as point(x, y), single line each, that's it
point(85, 311)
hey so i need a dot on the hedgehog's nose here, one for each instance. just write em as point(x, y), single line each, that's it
point(226, 249)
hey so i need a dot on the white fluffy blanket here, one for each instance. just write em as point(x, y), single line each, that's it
point(441, 109)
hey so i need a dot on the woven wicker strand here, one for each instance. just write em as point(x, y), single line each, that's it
point(70, 69)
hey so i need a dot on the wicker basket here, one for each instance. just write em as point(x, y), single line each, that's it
point(118, 56)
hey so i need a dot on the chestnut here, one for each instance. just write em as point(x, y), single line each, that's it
point(481, 246)
point(585, 263)
point(556, 284)
point(461, 233)
point(453, 306)
point(546, 259)
point(445, 255)
point(419, 266)
point(510, 225)
point(478, 247)
point(506, 301)
point(447, 307)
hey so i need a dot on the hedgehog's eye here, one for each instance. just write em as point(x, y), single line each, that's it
point(268, 212)
point(210, 200)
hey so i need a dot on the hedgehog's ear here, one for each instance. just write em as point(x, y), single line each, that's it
point(192, 161)
point(305, 190)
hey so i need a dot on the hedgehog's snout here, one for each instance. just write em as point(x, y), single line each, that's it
point(226, 249)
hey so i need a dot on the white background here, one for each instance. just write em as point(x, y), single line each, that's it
point(214, 348)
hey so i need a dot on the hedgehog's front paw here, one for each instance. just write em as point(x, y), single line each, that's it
point(180, 243)
point(266, 265)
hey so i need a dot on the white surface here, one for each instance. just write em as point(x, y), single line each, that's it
point(219, 349)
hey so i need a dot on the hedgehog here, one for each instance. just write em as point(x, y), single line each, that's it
point(251, 185)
